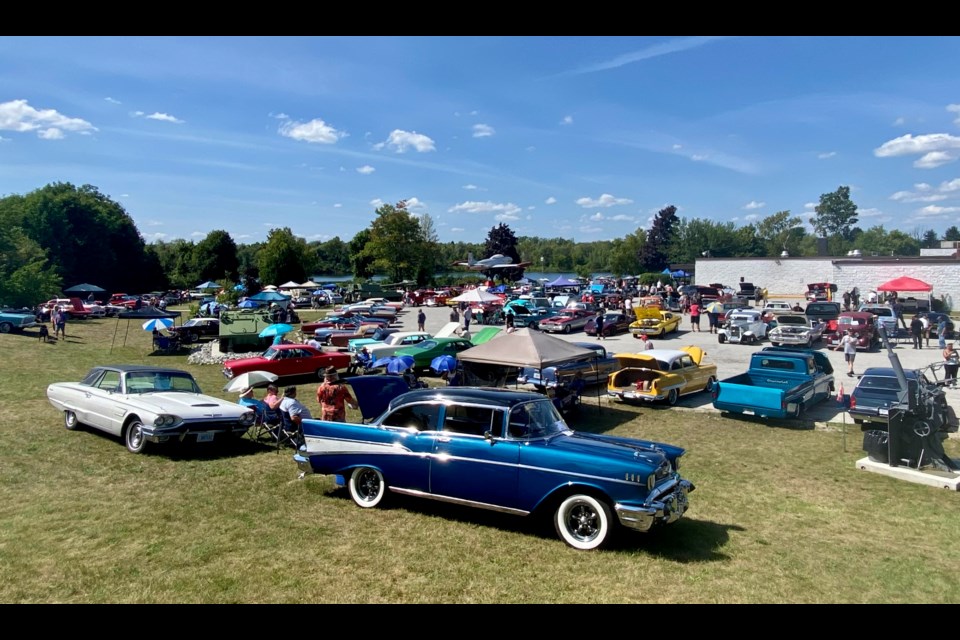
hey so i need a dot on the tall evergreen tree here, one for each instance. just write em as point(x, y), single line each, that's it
point(653, 254)
point(502, 240)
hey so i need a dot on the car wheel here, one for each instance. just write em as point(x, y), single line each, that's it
point(70, 420)
point(810, 343)
point(567, 329)
point(710, 382)
point(367, 487)
point(584, 522)
point(193, 336)
point(799, 410)
point(672, 397)
point(5, 327)
point(133, 437)
point(721, 338)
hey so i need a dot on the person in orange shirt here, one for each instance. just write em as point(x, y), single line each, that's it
point(333, 397)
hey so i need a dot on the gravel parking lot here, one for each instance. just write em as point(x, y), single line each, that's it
point(731, 359)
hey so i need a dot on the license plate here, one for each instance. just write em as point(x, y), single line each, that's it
point(884, 412)
point(749, 412)
point(205, 437)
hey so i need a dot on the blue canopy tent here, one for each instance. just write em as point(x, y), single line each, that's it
point(269, 296)
point(563, 282)
point(667, 272)
point(209, 284)
point(680, 273)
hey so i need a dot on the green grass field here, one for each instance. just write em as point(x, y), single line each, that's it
point(779, 515)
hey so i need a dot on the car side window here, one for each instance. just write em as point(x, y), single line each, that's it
point(421, 417)
point(471, 420)
point(686, 362)
point(110, 381)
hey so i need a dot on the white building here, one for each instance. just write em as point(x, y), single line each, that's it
point(787, 277)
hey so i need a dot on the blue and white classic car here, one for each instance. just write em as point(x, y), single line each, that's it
point(500, 449)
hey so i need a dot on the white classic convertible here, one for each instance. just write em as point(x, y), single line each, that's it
point(145, 404)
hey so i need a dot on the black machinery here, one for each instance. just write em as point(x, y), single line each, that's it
point(916, 426)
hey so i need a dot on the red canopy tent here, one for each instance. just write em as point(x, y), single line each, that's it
point(905, 284)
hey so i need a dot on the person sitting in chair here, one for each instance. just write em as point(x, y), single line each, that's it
point(247, 400)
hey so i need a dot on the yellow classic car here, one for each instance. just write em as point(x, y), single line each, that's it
point(661, 375)
point(652, 321)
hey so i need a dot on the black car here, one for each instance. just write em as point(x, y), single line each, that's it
point(822, 311)
point(196, 328)
point(878, 391)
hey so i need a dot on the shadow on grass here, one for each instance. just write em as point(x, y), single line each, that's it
point(789, 423)
point(223, 446)
point(683, 541)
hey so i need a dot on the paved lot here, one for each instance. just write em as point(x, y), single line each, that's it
point(731, 359)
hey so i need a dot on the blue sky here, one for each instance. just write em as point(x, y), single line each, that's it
point(583, 138)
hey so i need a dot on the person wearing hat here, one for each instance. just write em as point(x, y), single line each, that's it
point(247, 400)
point(333, 397)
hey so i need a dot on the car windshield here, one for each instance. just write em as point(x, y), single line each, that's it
point(536, 419)
point(271, 353)
point(191, 323)
point(160, 382)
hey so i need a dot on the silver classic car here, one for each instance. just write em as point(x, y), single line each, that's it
point(144, 404)
point(796, 329)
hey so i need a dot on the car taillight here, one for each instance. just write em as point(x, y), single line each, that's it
point(853, 401)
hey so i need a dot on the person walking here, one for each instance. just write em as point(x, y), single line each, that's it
point(334, 397)
point(467, 317)
point(951, 359)
point(942, 333)
point(695, 315)
point(916, 331)
point(454, 315)
point(926, 328)
point(599, 325)
point(849, 344)
point(421, 320)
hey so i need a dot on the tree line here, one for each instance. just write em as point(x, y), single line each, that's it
point(61, 235)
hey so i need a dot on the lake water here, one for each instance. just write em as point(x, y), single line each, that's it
point(534, 276)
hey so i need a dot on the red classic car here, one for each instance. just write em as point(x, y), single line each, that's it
point(566, 321)
point(289, 360)
point(613, 323)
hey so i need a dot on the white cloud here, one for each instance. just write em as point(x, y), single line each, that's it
point(550, 200)
point(750, 217)
point(482, 131)
point(112, 101)
point(810, 206)
point(588, 229)
point(699, 157)
point(164, 117)
point(242, 236)
point(198, 234)
point(899, 122)
point(933, 210)
point(414, 203)
point(365, 169)
point(827, 154)
point(605, 200)
point(506, 217)
point(908, 196)
point(508, 209)
point(17, 115)
point(314, 131)
point(654, 51)
point(753, 204)
point(952, 185)
point(279, 116)
point(935, 159)
point(154, 223)
point(869, 213)
point(623, 218)
point(597, 217)
point(457, 229)
point(470, 187)
point(567, 120)
point(400, 141)
point(677, 147)
point(337, 205)
point(936, 149)
point(376, 202)
point(154, 236)
point(954, 108)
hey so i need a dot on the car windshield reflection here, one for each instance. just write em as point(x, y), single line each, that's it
point(537, 419)
point(161, 382)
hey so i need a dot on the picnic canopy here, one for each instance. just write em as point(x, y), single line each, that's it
point(905, 283)
point(269, 296)
point(84, 288)
point(563, 282)
point(524, 348)
point(476, 295)
point(143, 313)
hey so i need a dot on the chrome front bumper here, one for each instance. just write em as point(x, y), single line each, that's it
point(665, 506)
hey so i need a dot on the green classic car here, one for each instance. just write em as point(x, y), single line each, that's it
point(424, 353)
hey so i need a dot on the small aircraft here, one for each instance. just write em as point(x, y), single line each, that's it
point(496, 261)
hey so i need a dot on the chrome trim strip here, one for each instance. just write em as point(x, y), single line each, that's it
point(460, 501)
